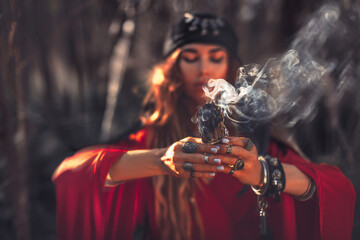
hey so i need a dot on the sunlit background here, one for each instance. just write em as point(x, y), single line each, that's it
point(73, 73)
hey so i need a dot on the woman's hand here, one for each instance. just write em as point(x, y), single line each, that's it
point(235, 148)
point(209, 159)
point(201, 163)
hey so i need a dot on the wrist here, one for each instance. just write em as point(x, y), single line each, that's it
point(262, 188)
point(309, 192)
point(158, 153)
point(273, 178)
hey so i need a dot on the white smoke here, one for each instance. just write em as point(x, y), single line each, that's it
point(289, 86)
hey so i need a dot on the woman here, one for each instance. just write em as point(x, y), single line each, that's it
point(163, 184)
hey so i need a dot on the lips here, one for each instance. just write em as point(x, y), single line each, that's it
point(201, 82)
point(200, 85)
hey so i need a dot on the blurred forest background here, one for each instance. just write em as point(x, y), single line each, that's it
point(73, 73)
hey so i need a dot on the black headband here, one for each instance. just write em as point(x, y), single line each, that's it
point(201, 28)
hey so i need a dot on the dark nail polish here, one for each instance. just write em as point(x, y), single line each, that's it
point(249, 145)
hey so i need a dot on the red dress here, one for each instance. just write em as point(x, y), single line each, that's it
point(87, 209)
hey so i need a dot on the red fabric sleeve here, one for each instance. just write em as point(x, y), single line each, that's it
point(79, 183)
point(330, 213)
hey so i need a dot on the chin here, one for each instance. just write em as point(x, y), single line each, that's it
point(198, 97)
point(200, 101)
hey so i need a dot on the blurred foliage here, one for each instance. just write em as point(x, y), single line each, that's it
point(55, 67)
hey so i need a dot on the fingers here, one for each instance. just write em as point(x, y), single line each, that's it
point(200, 174)
point(232, 150)
point(239, 141)
point(240, 147)
point(225, 153)
point(192, 145)
point(189, 143)
point(201, 167)
point(200, 170)
point(208, 159)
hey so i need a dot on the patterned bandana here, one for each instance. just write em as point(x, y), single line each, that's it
point(201, 28)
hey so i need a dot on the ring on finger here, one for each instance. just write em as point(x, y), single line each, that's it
point(206, 158)
point(239, 164)
point(228, 149)
point(188, 166)
point(232, 170)
point(189, 147)
point(192, 174)
point(249, 145)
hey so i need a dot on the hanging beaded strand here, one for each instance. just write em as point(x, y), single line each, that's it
point(273, 183)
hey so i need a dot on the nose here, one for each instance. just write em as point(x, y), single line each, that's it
point(204, 67)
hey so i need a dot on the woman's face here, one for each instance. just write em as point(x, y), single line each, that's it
point(199, 63)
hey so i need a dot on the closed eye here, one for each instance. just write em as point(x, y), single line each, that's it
point(190, 59)
point(217, 55)
point(217, 59)
point(189, 55)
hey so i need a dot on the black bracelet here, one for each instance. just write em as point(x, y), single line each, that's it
point(277, 178)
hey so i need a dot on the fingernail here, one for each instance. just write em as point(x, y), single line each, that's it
point(218, 147)
point(225, 140)
point(220, 168)
point(249, 145)
point(212, 174)
point(214, 150)
point(217, 160)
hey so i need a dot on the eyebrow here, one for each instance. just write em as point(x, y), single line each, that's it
point(191, 50)
point(214, 50)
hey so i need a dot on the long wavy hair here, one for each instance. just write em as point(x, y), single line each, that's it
point(166, 115)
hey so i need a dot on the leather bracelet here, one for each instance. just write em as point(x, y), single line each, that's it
point(277, 178)
point(261, 190)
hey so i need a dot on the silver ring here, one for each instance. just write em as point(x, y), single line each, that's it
point(189, 147)
point(228, 149)
point(206, 159)
point(192, 174)
point(188, 166)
